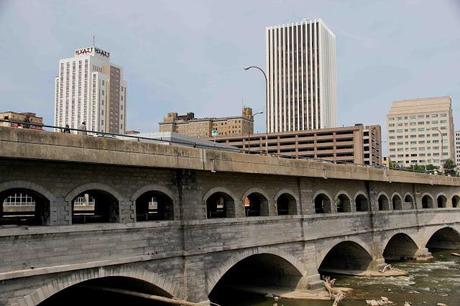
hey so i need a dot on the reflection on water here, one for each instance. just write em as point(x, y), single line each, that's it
point(428, 283)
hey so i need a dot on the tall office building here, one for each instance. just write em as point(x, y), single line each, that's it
point(457, 148)
point(421, 131)
point(90, 89)
point(301, 68)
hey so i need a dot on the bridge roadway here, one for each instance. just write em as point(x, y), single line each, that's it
point(214, 218)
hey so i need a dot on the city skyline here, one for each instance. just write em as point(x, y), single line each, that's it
point(181, 67)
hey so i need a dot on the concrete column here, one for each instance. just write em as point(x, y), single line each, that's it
point(272, 209)
point(373, 200)
point(191, 206)
point(195, 278)
point(62, 211)
point(423, 254)
point(306, 206)
point(127, 211)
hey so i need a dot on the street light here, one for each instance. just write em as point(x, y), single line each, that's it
point(441, 166)
point(266, 84)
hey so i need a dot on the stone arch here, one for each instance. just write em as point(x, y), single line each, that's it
point(322, 201)
point(215, 275)
point(400, 246)
point(28, 185)
point(361, 201)
point(455, 201)
point(427, 200)
point(444, 237)
point(46, 200)
point(289, 202)
point(396, 201)
point(230, 202)
point(350, 255)
point(343, 201)
point(154, 187)
point(409, 201)
point(93, 186)
point(109, 213)
point(383, 201)
point(61, 282)
point(441, 200)
point(256, 202)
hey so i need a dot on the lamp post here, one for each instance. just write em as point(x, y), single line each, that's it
point(266, 83)
point(441, 166)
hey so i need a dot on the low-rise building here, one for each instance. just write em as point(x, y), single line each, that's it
point(421, 131)
point(21, 120)
point(207, 127)
point(355, 144)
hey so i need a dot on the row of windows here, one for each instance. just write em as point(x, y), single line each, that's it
point(417, 116)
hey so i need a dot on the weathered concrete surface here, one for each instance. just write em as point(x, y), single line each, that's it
point(188, 256)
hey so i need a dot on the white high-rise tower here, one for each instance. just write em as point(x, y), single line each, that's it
point(301, 76)
point(90, 89)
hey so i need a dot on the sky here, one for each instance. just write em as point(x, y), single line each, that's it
point(188, 56)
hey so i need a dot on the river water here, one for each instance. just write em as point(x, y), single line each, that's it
point(428, 283)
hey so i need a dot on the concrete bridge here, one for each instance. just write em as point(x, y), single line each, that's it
point(184, 222)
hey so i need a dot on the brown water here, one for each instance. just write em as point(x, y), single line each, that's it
point(428, 283)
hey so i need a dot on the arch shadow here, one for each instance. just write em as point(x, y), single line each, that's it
point(347, 257)
point(400, 247)
point(446, 238)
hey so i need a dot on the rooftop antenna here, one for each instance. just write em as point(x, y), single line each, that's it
point(94, 41)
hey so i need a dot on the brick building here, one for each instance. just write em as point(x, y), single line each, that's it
point(26, 119)
point(206, 127)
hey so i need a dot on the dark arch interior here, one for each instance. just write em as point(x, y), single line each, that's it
point(383, 203)
point(94, 206)
point(361, 203)
point(397, 203)
point(322, 204)
point(255, 204)
point(220, 205)
point(21, 206)
point(444, 239)
point(154, 205)
point(286, 204)
point(106, 291)
point(255, 274)
point(409, 201)
point(427, 202)
point(343, 203)
point(442, 201)
point(400, 247)
point(455, 201)
point(345, 258)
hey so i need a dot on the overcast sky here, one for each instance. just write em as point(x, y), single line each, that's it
point(187, 56)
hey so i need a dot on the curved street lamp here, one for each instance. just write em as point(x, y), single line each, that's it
point(266, 83)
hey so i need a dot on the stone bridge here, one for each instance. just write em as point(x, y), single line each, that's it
point(184, 222)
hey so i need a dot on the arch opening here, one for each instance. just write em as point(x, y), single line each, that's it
point(444, 239)
point(94, 206)
point(455, 201)
point(115, 291)
point(255, 204)
point(347, 257)
point(322, 204)
point(400, 247)
point(427, 201)
point(20, 206)
point(256, 274)
point(397, 203)
point(286, 204)
point(361, 202)
point(442, 201)
point(154, 205)
point(343, 203)
point(220, 205)
point(383, 202)
point(409, 201)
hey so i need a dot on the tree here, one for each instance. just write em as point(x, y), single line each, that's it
point(450, 168)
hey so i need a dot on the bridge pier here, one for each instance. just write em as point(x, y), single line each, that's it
point(423, 254)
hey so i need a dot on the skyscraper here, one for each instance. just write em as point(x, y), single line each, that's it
point(301, 76)
point(90, 89)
